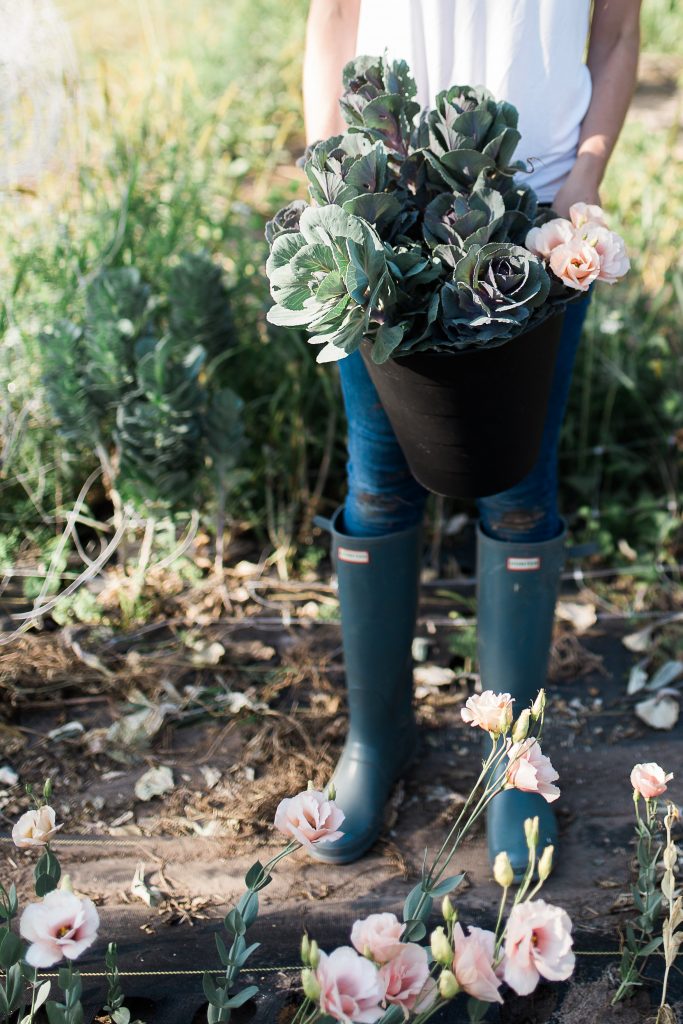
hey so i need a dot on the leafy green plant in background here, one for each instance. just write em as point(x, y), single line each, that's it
point(141, 383)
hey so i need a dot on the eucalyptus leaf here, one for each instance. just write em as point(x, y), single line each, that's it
point(448, 885)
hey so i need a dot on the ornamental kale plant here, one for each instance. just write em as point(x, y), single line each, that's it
point(418, 236)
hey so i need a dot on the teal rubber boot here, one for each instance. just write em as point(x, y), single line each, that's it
point(378, 580)
point(517, 585)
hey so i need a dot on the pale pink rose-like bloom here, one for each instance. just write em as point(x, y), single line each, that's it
point(406, 979)
point(35, 828)
point(351, 989)
point(650, 780)
point(490, 711)
point(379, 935)
point(582, 213)
point(538, 944)
point(546, 238)
point(610, 247)
point(62, 925)
point(310, 818)
point(473, 963)
point(530, 770)
point(576, 263)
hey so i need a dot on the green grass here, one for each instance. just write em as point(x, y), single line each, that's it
point(188, 128)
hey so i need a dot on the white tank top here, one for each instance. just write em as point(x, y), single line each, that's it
point(529, 52)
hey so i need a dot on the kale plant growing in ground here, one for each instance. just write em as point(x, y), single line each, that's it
point(141, 381)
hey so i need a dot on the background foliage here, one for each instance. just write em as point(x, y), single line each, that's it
point(186, 125)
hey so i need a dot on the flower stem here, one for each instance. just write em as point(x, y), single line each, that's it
point(492, 760)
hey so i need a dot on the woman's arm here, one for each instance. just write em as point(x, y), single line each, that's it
point(613, 63)
point(330, 43)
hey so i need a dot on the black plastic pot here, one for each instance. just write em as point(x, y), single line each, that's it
point(470, 423)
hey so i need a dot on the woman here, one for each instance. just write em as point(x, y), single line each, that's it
point(531, 53)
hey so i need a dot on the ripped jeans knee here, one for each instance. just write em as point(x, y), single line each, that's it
point(527, 512)
point(371, 510)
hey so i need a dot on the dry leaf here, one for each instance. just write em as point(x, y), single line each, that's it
point(68, 731)
point(638, 642)
point(8, 776)
point(154, 782)
point(581, 616)
point(434, 675)
point(637, 679)
point(211, 775)
point(149, 894)
point(659, 712)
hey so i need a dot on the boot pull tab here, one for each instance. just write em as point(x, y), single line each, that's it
point(323, 522)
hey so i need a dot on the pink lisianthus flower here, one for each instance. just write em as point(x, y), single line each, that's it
point(351, 989)
point(62, 925)
point(473, 963)
point(545, 239)
point(406, 980)
point(490, 711)
point(649, 780)
point(35, 828)
point(582, 213)
point(611, 250)
point(530, 770)
point(576, 263)
point(538, 944)
point(378, 936)
point(310, 818)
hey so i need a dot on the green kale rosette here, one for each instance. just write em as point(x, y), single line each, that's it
point(417, 237)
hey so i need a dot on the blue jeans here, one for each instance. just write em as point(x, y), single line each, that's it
point(384, 497)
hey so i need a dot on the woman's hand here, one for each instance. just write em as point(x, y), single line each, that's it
point(579, 187)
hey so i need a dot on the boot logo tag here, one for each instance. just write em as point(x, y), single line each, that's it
point(357, 557)
point(523, 564)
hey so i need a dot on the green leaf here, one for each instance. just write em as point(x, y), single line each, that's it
point(45, 884)
point(246, 953)
point(223, 954)
point(378, 208)
point(328, 224)
point(414, 931)
point(15, 985)
point(10, 949)
point(394, 1015)
point(447, 885)
point(234, 922)
point(281, 317)
point(56, 1014)
point(200, 305)
point(215, 995)
point(241, 998)
point(412, 900)
point(223, 429)
point(313, 259)
point(248, 907)
point(477, 1010)
point(48, 865)
point(386, 341)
